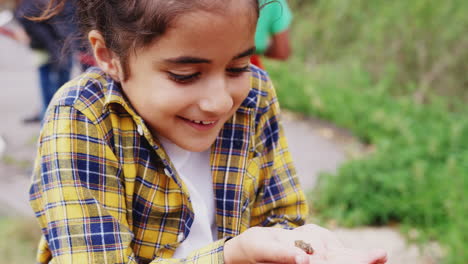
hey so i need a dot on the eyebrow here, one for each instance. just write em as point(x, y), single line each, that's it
point(246, 53)
point(196, 60)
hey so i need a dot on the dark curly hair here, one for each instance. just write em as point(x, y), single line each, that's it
point(130, 24)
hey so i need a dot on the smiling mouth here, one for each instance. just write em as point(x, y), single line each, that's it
point(199, 122)
point(202, 122)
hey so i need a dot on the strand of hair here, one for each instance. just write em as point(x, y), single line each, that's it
point(53, 8)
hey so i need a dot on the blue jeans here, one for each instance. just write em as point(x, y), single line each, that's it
point(51, 80)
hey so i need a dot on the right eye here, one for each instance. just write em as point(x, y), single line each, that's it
point(183, 79)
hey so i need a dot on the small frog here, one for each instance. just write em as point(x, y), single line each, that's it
point(304, 246)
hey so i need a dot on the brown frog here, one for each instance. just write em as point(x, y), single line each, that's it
point(304, 246)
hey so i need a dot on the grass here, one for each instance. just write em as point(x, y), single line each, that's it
point(13, 161)
point(394, 73)
point(18, 240)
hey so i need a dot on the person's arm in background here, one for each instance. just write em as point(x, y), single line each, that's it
point(280, 14)
point(280, 47)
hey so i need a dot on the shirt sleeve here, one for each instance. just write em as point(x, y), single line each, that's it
point(281, 16)
point(79, 200)
point(280, 200)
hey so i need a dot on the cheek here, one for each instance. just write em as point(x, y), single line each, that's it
point(165, 102)
point(152, 97)
point(240, 88)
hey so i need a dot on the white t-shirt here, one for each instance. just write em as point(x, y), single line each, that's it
point(194, 170)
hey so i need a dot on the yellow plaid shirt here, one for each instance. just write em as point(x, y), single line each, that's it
point(104, 190)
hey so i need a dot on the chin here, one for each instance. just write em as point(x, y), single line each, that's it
point(196, 146)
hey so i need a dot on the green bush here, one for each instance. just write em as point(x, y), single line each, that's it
point(425, 41)
point(394, 73)
point(417, 174)
point(18, 240)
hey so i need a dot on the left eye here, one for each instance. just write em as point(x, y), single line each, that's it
point(183, 79)
point(238, 71)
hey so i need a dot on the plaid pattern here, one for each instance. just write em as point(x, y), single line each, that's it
point(104, 191)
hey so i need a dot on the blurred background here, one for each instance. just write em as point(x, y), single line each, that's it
point(374, 96)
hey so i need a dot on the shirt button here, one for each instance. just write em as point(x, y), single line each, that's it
point(180, 237)
point(140, 130)
point(167, 172)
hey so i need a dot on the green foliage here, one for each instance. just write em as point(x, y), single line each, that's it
point(18, 240)
point(425, 40)
point(394, 73)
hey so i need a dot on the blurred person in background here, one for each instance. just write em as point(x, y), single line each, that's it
point(272, 33)
point(47, 40)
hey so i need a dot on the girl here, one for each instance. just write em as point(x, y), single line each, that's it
point(171, 151)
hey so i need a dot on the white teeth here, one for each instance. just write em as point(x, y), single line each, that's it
point(208, 122)
point(203, 122)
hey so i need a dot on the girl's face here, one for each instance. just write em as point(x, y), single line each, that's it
point(190, 81)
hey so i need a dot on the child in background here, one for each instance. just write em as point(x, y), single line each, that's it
point(172, 150)
point(272, 33)
point(47, 40)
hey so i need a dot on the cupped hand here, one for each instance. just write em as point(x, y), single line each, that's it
point(329, 250)
point(276, 246)
point(263, 245)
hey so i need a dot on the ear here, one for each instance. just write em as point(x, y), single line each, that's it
point(106, 59)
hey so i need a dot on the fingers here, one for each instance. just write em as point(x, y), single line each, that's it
point(299, 259)
point(320, 260)
point(329, 249)
point(328, 239)
point(266, 245)
point(302, 259)
point(346, 256)
point(275, 252)
point(263, 245)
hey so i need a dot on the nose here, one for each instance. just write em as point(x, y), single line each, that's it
point(216, 99)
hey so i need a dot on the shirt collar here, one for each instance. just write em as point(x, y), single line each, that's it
point(114, 95)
